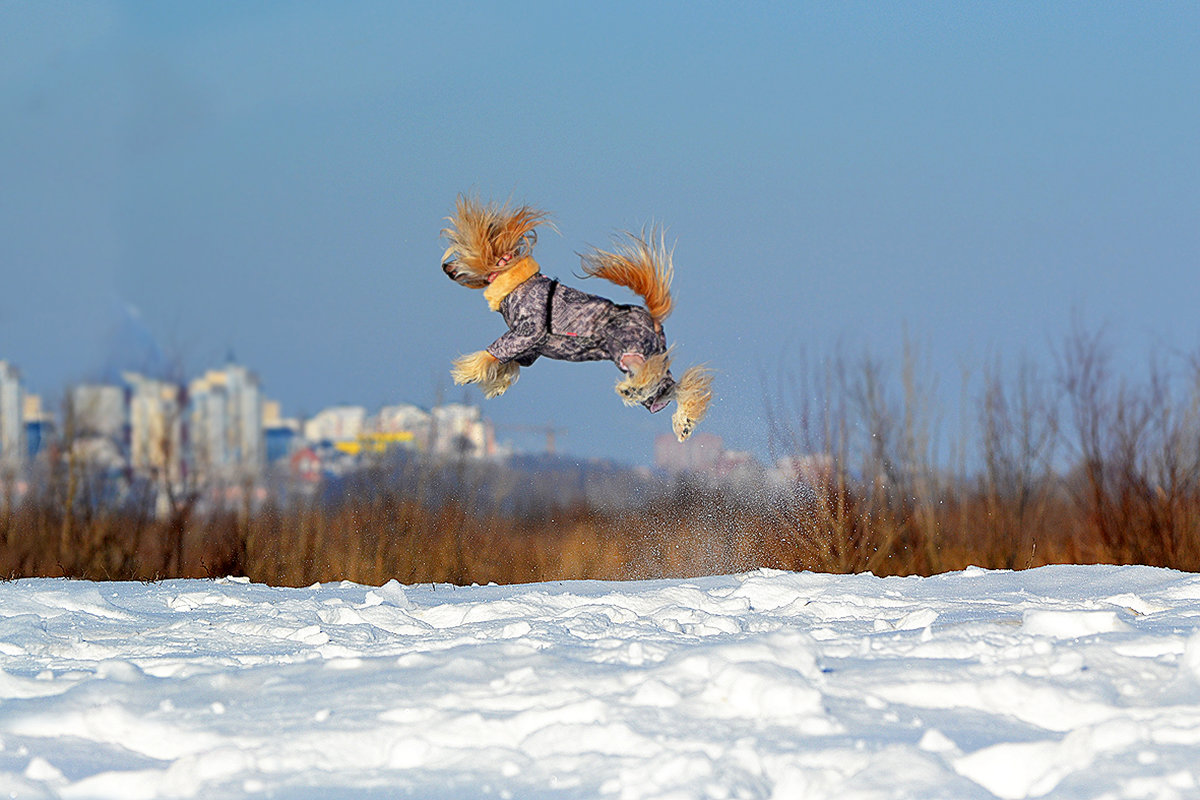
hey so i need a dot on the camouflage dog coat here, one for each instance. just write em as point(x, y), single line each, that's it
point(546, 318)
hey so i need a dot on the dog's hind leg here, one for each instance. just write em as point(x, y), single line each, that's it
point(644, 376)
point(693, 393)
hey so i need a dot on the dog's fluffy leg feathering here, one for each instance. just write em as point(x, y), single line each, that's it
point(486, 370)
point(644, 379)
point(693, 393)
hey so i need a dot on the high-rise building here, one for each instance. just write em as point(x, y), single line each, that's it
point(156, 431)
point(226, 422)
point(701, 453)
point(705, 455)
point(272, 413)
point(12, 428)
point(39, 426)
point(97, 410)
point(458, 430)
point(282, 434)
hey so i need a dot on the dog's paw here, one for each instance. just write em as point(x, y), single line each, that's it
point(683, 425)
point(631, 394)
point(499, 379)
point(692, 396)
point(644, 379)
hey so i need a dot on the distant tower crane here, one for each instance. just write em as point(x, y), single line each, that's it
point(551, 432)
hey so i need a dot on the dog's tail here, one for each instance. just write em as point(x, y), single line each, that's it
point(640, 263)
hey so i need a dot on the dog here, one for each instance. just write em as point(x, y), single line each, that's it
point(490, 247)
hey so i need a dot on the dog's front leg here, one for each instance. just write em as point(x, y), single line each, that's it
point(486, 370)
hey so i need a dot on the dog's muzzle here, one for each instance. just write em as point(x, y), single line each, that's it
point(462, 278)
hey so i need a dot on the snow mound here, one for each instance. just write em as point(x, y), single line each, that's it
point(1054, 682)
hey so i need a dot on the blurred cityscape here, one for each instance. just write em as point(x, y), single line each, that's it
point(219, 439)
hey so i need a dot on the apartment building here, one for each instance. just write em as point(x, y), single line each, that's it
point(226, 425)
point(12, 427)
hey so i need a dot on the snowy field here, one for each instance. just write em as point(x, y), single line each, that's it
point(1079, 682)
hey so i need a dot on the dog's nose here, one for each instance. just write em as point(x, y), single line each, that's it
point(449, 269)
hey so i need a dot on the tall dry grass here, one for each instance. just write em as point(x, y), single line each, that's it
point(1067, 464)
point(1075, 464)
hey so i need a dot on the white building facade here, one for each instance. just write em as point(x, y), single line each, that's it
point(226, 425)
point(156, 438)
point(97, 410)
point(459, 430)
point(336, 424)
point(12, 426)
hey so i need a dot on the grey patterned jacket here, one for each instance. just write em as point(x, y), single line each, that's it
point(546, 318)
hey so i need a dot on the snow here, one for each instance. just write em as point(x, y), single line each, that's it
point(1067, 681)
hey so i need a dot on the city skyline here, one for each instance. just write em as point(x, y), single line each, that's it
point(218, 433)
point(220, 427)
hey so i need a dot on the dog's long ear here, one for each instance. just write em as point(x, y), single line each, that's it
point(479, 234)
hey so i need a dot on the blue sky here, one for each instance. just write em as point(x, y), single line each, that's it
point(185, 180)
